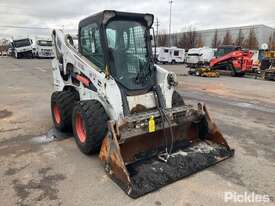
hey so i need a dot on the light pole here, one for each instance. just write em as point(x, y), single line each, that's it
point(170, 41)
point(157, 32)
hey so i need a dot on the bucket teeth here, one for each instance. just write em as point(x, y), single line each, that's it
point(141, 162)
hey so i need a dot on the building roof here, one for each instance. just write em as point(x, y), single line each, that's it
point(232, 28)
point(237, 28)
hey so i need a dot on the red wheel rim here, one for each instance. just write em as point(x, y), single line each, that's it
point(80, 128)
point(56, 114)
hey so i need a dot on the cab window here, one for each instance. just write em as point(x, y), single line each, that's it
point(91, 46)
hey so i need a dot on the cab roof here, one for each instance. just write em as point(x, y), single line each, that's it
point(106, 15)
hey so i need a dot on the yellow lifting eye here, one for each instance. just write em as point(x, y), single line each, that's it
point(152, 125)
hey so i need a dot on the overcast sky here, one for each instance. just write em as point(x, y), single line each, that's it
point(200, 14)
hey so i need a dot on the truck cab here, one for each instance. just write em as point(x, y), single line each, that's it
point(21, 47)
point(42, 48)
point(193, 58)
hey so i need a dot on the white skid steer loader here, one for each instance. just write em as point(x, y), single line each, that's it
point(116, 100)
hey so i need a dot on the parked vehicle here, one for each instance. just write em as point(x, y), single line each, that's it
point(269, 74)
point(256, 61)
point(232, 59)
point(193, 58)
point(116, 100)
point(197, 57)
point(42, 48)
point(203, 72)
point(3, 53)
point(171, 55)
point(267, 67)
point(20, 47)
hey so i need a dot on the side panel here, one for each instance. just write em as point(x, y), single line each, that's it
point(166, 89)
point(103, 90)
point(58, 82)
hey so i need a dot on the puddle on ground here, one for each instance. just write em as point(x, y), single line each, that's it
point(244, 104)
point(5, 113)
point(52, 135)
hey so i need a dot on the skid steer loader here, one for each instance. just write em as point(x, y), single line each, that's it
point(118, 102)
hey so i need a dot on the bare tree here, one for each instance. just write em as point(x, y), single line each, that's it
point(271, 41)
point(199, 42)
point(182, 41)
point(227, 40)
point(189, 39)
point(174, 39)
point(216, 42)
point(162, 39)
point(240, 38)
point(4, 44)
point(251, 42)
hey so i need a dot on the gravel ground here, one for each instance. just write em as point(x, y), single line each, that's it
point(37, 171)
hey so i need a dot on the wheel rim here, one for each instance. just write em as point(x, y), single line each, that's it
point(57, 114)
point(80, 128)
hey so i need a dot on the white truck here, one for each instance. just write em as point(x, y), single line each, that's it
point(199, 56)
point(20, 47)
point(42, 48)
point(171, 55)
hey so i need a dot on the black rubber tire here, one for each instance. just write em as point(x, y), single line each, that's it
point(231, 68)
point(95, 122)
point(177, 100)
point(241, 74)
point(65, 101)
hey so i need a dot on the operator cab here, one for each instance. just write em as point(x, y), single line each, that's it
point(226, 49)
point(119, 44)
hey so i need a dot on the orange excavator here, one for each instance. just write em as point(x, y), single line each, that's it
point(232, 59)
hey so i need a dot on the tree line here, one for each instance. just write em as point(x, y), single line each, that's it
point(250, 42)
point(193, 39)
point(189, 39)
point(4, 45)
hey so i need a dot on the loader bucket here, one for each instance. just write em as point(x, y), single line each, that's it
point(137, 160)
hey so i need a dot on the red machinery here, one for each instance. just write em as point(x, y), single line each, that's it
point(233, 59)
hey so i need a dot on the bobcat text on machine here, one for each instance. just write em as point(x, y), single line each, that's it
point(20, 47)
point(116, 100)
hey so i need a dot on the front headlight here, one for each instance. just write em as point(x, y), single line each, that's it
point(172, 79)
